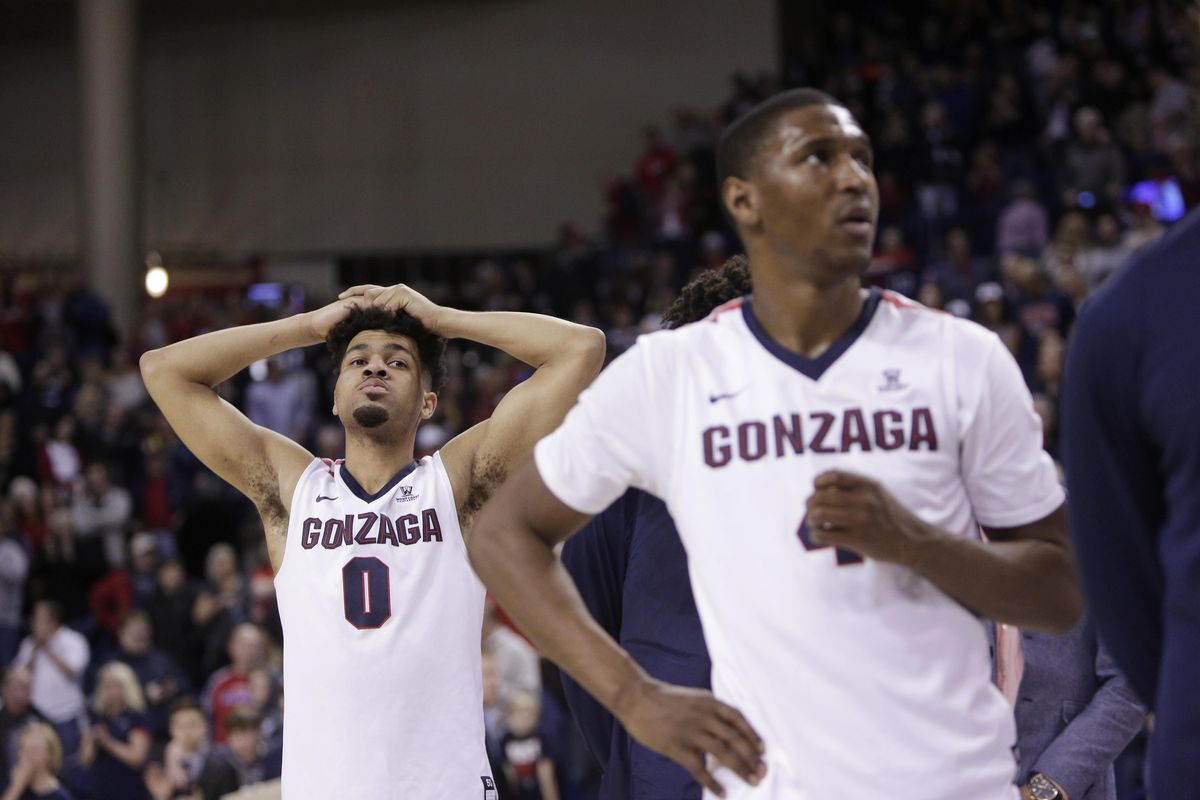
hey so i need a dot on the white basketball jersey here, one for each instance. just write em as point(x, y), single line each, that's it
point(864, 680)
point(381, 641)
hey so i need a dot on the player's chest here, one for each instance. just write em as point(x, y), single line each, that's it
point(887, 412)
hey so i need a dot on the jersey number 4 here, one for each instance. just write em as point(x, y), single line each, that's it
point(367, 592)
point(844, 557)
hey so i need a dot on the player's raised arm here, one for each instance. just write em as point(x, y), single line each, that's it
point(513, 552)
point(181, 378)
point(566, 357)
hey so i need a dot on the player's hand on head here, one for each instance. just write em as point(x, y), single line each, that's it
point(685, 724)
point(400, 297)
point(857, 513)
point(322, 320)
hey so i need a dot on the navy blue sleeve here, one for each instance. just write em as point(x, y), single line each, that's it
point(1113, 494)
point(596, 558)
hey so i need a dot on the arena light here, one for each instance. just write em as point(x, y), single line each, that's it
point(157, 281)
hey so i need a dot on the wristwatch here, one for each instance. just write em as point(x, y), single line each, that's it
point(1042, 788)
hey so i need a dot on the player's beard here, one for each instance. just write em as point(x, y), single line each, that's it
point(370, 416)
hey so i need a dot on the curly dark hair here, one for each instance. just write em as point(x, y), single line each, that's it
point(431, 349)
point(708, 290)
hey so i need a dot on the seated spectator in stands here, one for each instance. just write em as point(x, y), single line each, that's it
point(229, 687)
point(28, 514)
point(101, 512)
point(657, 161)
point(56, 656)
point(282, 401)
point(225, 580)
point(527, 766)
point(518, 666)
point(187, 768)
point(493, 721)
point(1093, 168)
point(894, 265)
point(160, 678)
point(14, 567)
point(1023, 225)
point(143, 567)
point(16, 693)
point(35, 775)
point(268, 704)
point(116, 747)
point(246, 750)
point(58, 461)
point(960, 271)
point(170, 613)
point(991, 311)
point(1104, 254)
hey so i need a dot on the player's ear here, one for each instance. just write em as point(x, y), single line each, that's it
point(428, 405)
point(741, 199)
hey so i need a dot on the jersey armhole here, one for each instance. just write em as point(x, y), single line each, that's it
point(322, 463)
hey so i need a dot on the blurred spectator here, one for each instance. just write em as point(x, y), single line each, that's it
point(161, 680)
point(991, 313)
point(187, 768)
point(100, 515)
point(658, 160)
point(960, 271)
point(35, 775)
point(56, 656)
point(16, 693)
point(517, 663)
point(229, 687)
point(493, 721)
point(143, 567)
point(14, 567)
point(26, 505)
point(116, 747)
point(123, 382)
point(58, 459)
point(1093, 169)
point(1023, 225)
point(1106, 252)
point(170, 613)
point(528, 768)
point(246, 750)
point(282, 401)
point(268, 705)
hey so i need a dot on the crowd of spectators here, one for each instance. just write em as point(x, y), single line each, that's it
point(1022, 156)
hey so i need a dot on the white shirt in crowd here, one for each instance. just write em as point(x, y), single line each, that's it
point(58, 697)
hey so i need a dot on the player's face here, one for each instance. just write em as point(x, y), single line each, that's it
point(816, 200)
point(380, 385)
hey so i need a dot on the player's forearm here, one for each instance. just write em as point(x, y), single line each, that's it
point(215, 357)
point(535, 339)
point(523, 574)
point(1027, 583)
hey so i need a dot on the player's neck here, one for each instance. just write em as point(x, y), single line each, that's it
point(803, 317)
point(375, 461)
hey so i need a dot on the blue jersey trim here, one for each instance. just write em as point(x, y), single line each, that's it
point(362, 494)
point(814, 368)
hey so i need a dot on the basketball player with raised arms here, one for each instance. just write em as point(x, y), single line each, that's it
point(828, 454)
point(381, 611)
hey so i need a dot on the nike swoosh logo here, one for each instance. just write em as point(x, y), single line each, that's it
point(713, 398)
point(322, 497)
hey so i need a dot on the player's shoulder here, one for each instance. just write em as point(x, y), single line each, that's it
point(901, 316)
point(722, 322)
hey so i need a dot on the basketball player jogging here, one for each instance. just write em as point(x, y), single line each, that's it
point(828, 455)
point(381, 611)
